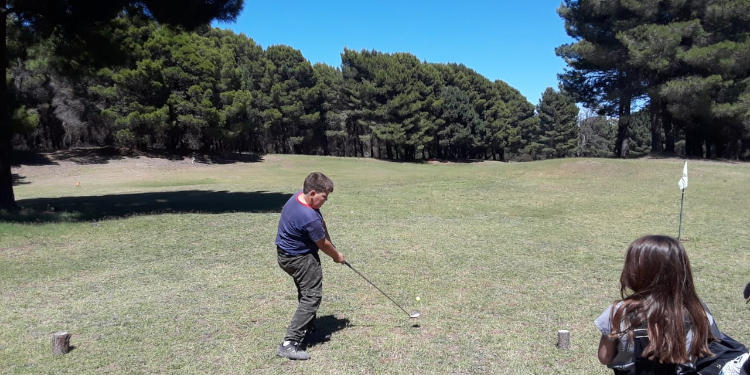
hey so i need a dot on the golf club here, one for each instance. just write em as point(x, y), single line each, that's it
point(412, 315)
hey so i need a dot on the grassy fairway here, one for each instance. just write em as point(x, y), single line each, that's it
point(168, 267)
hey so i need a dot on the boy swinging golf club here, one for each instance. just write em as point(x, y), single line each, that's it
point(301, 233)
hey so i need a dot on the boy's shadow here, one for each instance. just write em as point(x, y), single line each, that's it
point(325, 326)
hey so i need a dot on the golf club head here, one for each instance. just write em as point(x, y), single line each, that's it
point(414, 314)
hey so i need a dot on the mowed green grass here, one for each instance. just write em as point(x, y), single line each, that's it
point(502, 255)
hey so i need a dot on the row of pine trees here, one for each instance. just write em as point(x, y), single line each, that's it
point(686, 62)
point(215, 91)
point(152, 87)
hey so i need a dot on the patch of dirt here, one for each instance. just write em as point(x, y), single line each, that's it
point(28, 166)
point(20, 249)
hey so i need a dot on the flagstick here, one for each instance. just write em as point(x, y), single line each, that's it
point(683, 184)
point(682, 200)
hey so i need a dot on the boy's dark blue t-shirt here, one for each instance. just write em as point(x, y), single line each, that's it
point(300, 226)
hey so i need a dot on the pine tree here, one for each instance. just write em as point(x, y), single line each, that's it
point(558, 115)
point(83, 27)
point(600, 75)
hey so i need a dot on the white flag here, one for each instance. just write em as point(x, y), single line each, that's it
point(683, 180)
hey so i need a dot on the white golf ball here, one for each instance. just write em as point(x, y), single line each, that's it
point(418, 298)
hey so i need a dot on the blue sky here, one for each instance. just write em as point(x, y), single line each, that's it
point(513, 41)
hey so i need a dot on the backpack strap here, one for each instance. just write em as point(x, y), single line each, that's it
point(645, 366)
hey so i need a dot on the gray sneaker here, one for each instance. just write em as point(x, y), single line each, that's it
point(292, 351)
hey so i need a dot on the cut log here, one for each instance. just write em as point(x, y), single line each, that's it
point(563, 339)
point(60, 343)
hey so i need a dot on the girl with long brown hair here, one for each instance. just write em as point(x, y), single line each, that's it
point(660, 325)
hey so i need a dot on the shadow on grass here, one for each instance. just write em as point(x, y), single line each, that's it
point(30, 158)
point(325, 326)
point(228, 158)
point(102, 155)
point(17, 179)
point(95, 155)
point(89, 208)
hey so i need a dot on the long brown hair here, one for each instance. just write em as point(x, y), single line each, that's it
point(657, 289)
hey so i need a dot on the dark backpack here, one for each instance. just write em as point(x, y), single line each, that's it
point(724, 348)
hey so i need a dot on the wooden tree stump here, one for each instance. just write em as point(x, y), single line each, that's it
point(563, 339)
point(60, 343)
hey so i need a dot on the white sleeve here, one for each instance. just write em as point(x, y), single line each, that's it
point(603, 323)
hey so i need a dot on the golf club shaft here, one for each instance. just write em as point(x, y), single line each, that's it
point(376, 287)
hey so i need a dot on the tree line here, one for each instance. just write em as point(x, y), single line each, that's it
point(78, 32)
point(686, 62)
point(655, 76)
point(211, 90)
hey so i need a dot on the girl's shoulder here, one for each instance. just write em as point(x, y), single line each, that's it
point(603, 322)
